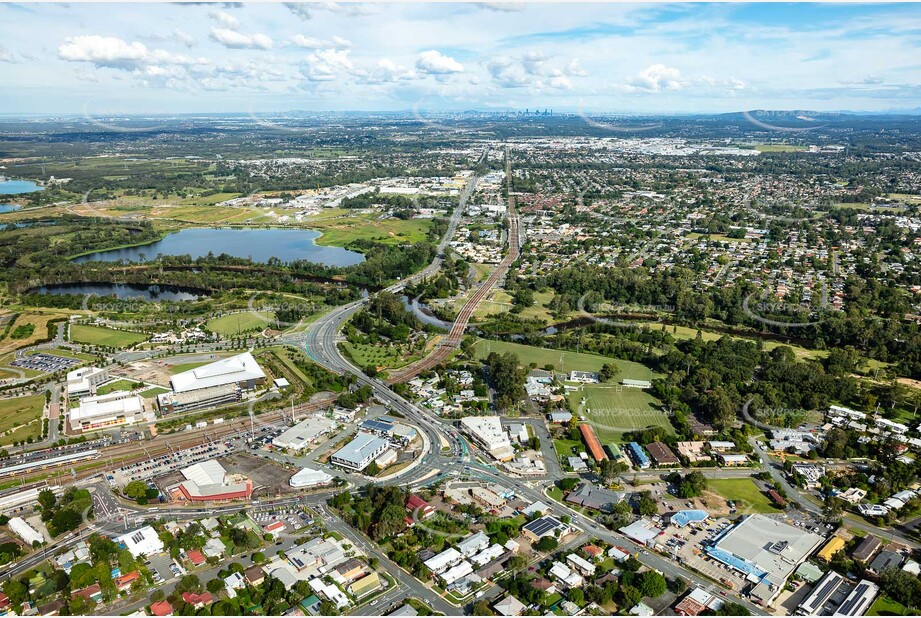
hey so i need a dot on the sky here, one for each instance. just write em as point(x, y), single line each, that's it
point(120, 58)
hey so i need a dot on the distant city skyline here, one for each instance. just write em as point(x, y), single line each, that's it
point(114, 59)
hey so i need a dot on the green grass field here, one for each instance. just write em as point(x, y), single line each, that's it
point(236, 323)
point(342, 232)
point(884, 606)
point(153, 392)
point(614, 413)
point(98, 335)
point(17, 413)
point(745, 493)
point(567, 448)
point(570, 360)
point(118, 385)
point(780, 148)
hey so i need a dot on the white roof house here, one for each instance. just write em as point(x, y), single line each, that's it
point(456, 572)
point(447, 558)
point(141, 542)
point(473, 544)
point(23, 530)
point(239, 369)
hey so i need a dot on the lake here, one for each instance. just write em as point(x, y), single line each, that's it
point(16, 187)
point(123, 291)
point(258, 245)
point(8, 207)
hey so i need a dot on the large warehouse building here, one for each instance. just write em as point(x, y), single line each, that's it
point(110, 410)
point(304, 434)
point(213, 384)
point(207, 481)
point(765, 551)
point(83, 381)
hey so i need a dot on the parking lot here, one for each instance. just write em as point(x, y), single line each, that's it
point(293, 517)
point(163, 566)
point(164, 464)
point(47, 363)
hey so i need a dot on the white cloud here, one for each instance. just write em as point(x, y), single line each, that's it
point(657, 77)
point(325, 65)
point(103, 51)
point(436, 63)
point(238, 40)
point(6, 55)
point(533, 62)
point(387, 71)
point(305, 10)
point(575, 69)
point(501, 7)
point(226, 20)
point(183, 37)
point(309, 42)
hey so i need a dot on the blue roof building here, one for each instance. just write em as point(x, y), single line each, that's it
point(638, 456)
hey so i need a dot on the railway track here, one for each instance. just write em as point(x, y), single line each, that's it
point(456, 335)
point(164, 444)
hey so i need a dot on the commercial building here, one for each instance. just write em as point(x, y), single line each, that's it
point(83, 381)
point(592, 443)
point(813, 604)
point(304, 434)
point(207, 481)
point(308, 477)
point(730, 459)
point(593, 497)
point(859, 601)
point(662, 455)
point(141, 542)
point(367, 584)
point(169, 403)
point(110, 410)
point(486, 432)
point(241, 371)
point(360, 452)
point(765, 551)
point(23, 530)
point(697, 602)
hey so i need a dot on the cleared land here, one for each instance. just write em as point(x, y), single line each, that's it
point(382, 357)
point(745, 493)
point(98, 335)
point(579, 361)
point(236, 323)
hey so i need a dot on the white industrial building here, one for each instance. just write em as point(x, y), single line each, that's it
point(303, 434)
point(83, 381)
point(241, 370)
point(487, 433)
point(141, 542)
point(309, 477)
point(23, 530)
point(109, 410)
point(360, 452)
